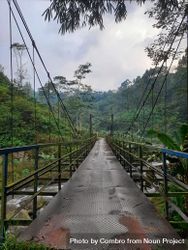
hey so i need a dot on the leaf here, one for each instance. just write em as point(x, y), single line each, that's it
point(165, 139)
point(178, 138)
point(183, 132)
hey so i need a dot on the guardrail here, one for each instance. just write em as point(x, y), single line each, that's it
point(133, 157)
point(54, 170)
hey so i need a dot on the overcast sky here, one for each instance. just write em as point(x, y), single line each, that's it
point(116, 53)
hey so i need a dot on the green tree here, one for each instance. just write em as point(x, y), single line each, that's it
point(167, 15)
point(65, 86)
point(22, 120)
point(72, 15)
point(80, 74)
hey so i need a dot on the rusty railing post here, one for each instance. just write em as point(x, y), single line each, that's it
point(141, 169)
point(165, 185)
point(119, 151)
point(124, 155)
point(90, 125)
point(70, 159)
point(130, 160)
point(4, 196)
point(59, 167)
point(35, 182)
point(86, 150)
point(77, 161)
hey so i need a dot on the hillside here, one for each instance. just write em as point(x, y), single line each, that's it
point(169, 113)
point(19, 119)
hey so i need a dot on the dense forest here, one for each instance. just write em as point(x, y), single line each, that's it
point(23, 121)
point(137, 105)
point(17, 117)
point(169, 113)
point(170, 109)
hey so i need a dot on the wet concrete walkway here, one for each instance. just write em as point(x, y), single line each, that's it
point(100, 207)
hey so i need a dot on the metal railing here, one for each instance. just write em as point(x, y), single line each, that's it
point(134, 158)
point(51, 172)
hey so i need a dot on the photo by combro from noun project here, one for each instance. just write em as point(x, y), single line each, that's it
point(133, 241)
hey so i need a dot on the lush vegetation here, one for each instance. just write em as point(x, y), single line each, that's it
point(73, 15)
point(12, 243)
point(169, 16)
point(169, 114)
point(81, 101)
point(17, 117)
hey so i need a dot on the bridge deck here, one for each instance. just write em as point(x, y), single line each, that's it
point(100, 201)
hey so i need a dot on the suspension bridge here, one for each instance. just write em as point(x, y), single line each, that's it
point(104, 185)
point(101, 206)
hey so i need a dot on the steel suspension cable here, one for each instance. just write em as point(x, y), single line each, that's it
point(165, 103)
point(11, 92)
point(152, 103)
point(43, 63)
point(36, 72)
point(155, 80)
point(186, 12)
point(141, 103)
point(49, 120)
point(35, 101)
point(166, 75)
point(11, 74)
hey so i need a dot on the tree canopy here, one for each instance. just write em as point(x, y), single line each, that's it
point(168, 14)
point(171, 20)
point(73, 14)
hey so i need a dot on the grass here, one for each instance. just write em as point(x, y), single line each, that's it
point(22, 164)
point(11, 243)
point(158, 202)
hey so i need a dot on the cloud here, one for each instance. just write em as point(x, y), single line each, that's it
point(116, 53)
